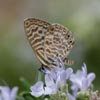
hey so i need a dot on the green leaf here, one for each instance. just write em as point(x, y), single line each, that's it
point(27, 96)
point(83, 96)
point(25, 83)
point(19, 98)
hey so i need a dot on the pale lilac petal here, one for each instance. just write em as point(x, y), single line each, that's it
point(61, 79)
point(84, 68)
point(5, 92)
point(90, 78)
point(37, 89)
point(70, 97)
point(63, 75)
point(82, 79)
point(58, 71)
point(48, 91)
point(50, 85)
point(14, 93)
point(53, 74)
point(69, 71)
point(79, 74)
point(75, 88)
point(1, 97)
point(49, 80)
point(84, 86)
point(60, 82)
point(75, 79)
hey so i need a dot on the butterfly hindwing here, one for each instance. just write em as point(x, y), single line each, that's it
point(59, 41)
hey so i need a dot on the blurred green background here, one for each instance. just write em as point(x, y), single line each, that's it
point(16, 56)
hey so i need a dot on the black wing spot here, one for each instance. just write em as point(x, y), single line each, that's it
point(43, 37)
point(40, 31)
point(34, 30)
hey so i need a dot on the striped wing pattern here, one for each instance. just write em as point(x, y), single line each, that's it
point(58, 43)
point(49, 41)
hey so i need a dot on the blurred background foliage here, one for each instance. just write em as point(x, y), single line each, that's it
point(16, 56)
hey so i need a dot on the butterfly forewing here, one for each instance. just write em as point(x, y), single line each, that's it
point(35, 31)
point(49, 41)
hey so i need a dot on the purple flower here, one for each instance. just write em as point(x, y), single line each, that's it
point(82, 80)
point(51, 87)
point(7, 94)
point(54, 80)
point(60, 74)
point(70, 97)
point(37, 89)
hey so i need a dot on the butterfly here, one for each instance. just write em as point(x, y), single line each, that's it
point(49, 41)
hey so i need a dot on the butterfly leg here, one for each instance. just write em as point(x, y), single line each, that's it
point(68, 61)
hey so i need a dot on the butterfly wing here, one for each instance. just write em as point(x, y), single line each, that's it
point(59, 41)
point(35, 30)
point(49, 41)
